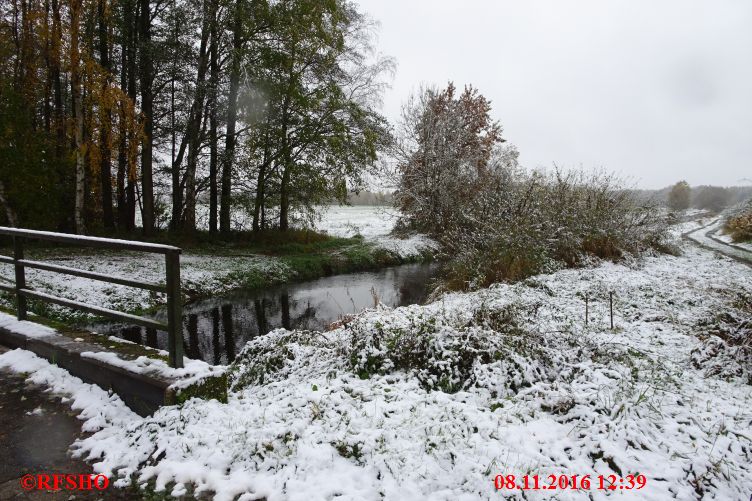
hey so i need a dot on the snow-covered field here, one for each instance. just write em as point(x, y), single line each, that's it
point(537, 392)
point(370, 221)
point(341, 220)
point(374, 223)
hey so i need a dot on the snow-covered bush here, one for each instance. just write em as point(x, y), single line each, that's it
point(273, 357)
point(459, 182)
point(726, 349)
point(524, 223)
point(446, 353)
point(443, 144)
point(740, 227)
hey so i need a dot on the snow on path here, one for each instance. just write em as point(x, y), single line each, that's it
point(747, 246)
point(706, 236)
point(98, 408)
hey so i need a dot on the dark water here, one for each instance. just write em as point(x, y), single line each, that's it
point(216, 329)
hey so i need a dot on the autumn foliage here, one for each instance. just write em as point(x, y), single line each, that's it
point(496, 221)
point(449, 141)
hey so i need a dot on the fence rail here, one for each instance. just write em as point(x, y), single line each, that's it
point(171, 287)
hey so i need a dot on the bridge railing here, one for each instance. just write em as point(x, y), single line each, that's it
point(171, 287)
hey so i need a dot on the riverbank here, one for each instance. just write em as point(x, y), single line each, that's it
point(217, 329)
point(210, 269)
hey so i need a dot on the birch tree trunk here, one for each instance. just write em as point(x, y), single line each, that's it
point(146, 77)
point(105, 166)
point(78, 214)
point(195, 128)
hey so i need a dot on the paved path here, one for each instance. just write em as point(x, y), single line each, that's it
point(36, 430)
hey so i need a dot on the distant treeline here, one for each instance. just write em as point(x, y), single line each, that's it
point(370, 198)
point(682, 196)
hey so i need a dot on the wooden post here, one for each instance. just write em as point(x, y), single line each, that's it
point(18, 254)
point(586, 310)
point(174, 309)
point(611, 307)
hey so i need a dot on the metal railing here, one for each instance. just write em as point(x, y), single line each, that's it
point(173, 327)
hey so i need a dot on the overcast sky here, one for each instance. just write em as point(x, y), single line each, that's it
point(655, 90)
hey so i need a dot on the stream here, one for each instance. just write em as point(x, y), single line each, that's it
point(216, 329)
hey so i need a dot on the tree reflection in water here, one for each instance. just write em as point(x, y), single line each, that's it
point(216, 329)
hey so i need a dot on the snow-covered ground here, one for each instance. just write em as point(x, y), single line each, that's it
point(538, 392)
point(341, 220)
point(370, 221)
point(98, 409)
point(373, 222)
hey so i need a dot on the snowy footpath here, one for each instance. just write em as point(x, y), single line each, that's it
point(710, 236)
point(433, 402)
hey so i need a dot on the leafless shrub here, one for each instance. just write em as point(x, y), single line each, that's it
point(524, 223)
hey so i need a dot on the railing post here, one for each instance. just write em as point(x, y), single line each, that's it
point(174, 309)
point(18, 255)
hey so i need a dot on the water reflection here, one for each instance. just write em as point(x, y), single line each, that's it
point(216, 329)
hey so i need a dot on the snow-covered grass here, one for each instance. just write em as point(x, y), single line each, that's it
point(360, 412)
